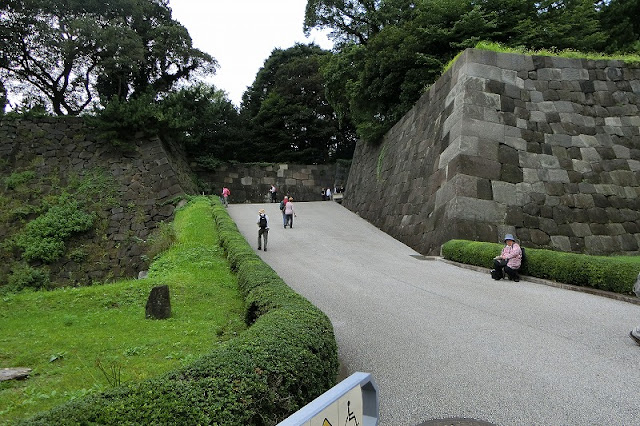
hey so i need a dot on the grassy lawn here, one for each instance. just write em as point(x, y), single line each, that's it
point(82, 340)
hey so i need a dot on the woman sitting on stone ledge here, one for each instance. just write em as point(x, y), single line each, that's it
point(510, 259)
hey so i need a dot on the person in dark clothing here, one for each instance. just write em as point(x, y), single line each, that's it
point(263, 229)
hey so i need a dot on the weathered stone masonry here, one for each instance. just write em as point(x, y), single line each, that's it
point(148, 179)
point(251, 182)
point(547, 148)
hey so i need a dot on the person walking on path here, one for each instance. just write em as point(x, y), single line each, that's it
point(274, 194)
point(225, 196)
point(289, 214)
point(510, 259)
point(263, 229)
point(283, 203)
point(328, 195)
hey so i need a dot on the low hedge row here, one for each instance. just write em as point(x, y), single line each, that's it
point(286, 358)
point(615, 274)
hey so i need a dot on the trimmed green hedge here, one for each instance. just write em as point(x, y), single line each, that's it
point(286, 358)
point(617, 274)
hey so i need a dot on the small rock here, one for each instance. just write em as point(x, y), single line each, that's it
point(17, 373)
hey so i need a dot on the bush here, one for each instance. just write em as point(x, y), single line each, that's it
point(24, 276)
point(286, 358)
point(19, 178)
point(617, 274)
point(44, 237)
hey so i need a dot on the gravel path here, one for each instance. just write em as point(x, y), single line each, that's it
point(443, 341)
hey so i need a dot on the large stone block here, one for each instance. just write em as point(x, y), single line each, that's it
point(539, 238)
point(511, 173)
point(484, 130)
point(478, 210)
point(561, 243)
point(600, 244)
point(506, 193)
point(474, 166)
point(549, 74)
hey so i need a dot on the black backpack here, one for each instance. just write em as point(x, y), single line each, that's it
point(263, 221)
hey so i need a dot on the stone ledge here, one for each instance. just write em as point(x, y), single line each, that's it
point(597, 292)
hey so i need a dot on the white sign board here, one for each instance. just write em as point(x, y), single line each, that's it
point(352, 402)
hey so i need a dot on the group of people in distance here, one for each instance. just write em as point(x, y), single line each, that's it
point(288, 213)
point(327, 194)
point(505, 265)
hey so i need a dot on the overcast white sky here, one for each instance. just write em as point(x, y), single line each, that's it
point(241, 34)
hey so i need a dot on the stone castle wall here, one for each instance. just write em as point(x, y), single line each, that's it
point(250, 183)
point(147, 179)
point(546, 148)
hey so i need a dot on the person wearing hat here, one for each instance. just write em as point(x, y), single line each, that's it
point(509, 260)
point(263, 229)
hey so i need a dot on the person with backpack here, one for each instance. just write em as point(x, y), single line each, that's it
point(510, 260)
point(263, 229)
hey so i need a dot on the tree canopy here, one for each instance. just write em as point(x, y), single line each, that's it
point(75, 53)
point(126, 60)
point(289, 116)
point(389, 51)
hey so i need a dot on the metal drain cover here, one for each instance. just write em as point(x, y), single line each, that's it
point(455, 422)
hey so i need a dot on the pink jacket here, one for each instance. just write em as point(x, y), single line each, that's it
point(513, 254)
point(288, 208)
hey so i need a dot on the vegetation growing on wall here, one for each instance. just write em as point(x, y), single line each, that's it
point(43, 218)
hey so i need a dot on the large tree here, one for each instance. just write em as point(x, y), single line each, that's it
point(620, 19)
point(291, 119)
point(75, 52)
point(355, 21)
point(207, 123)
point(377, 82)
point(400, 48)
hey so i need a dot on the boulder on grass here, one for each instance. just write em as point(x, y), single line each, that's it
point(158, 303)
point(16, 373)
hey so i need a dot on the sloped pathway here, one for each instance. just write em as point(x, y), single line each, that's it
point(443, 341)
